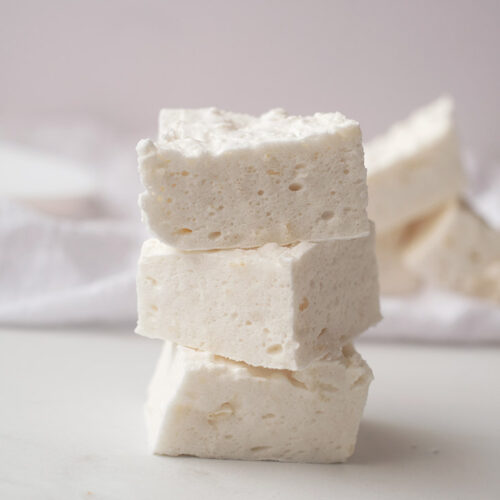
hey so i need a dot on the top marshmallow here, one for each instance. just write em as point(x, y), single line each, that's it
point(216, 179)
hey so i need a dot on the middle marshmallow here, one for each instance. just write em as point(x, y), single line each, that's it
point(273, 306)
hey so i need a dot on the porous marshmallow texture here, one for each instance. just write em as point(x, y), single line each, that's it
point(456, 249)
point(217, 179)
point(415, 167)
point(273, 306)
point(204, 405)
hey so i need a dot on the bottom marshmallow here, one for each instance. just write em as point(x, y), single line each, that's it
point(208, 406)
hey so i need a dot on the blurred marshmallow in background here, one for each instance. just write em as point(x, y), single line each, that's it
point(439, 260)
point(87, 84)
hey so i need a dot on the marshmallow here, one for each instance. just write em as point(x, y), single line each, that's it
point(205, 405)
point(272, 306)
point(414, 168)
point(456, 249)
point(217, 179)
point(394, 276)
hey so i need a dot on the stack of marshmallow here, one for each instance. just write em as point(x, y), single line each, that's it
point(262, 273)
point(426, 232)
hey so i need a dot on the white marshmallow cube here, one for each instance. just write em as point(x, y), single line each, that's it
point(205, 405)
point(456, 249)
point(217, 179)
point(414, 168)
point(273, 306)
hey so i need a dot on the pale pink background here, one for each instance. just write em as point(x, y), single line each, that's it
point(118, 62)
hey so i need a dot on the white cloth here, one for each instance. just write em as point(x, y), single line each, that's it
point(437, 316)
point(57, 271)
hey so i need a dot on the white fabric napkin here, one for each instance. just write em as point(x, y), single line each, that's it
point(56, 271)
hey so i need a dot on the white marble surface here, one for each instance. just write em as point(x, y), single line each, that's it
point(71, 427)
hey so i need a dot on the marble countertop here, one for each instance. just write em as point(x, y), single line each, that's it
point(71, 427)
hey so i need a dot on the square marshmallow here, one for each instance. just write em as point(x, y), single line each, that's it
point(217, 179)
point(456, 249)
point(204, 405)
point(273, 306)
point(414, 168)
